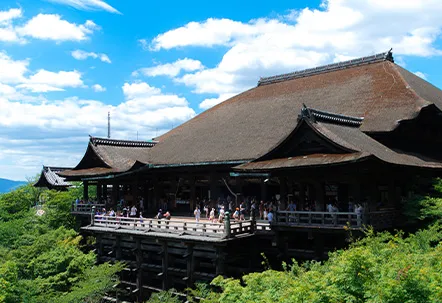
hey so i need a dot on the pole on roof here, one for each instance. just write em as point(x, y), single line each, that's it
point(108, 125)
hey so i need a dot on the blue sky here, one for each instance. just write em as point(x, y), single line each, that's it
point(155, 64)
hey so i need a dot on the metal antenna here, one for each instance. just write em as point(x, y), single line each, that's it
point(108, 125)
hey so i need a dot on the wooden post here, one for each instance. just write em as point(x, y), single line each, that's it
point(227, 231)
point(99, 245)
point(139, 260)
point(192, 193)
point(190, 265)
point(118, 247)
point(93, 216)
point(99, 192)
point(283, 192)
point(165, 266)
point(219, 261)
point(85, 191)
point(115, 190)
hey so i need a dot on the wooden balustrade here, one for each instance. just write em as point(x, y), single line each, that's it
point(379, 219)
point(85, 209)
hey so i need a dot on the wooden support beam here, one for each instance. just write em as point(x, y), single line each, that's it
point(118, 247)
point(190, 265)
point(139, 260)
point(220, 260)
point(165, 266)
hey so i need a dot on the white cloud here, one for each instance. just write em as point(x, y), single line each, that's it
point(171, 69)
point(142, 95)
point(88, 5)
point(144, 44)
point(208, 103)
point(52, 27)
point(83, 55)
point(98, 88)
point(39, 87)
point(338, 30)
point(421, 74)
point(12, 71)
point(7, 16)
point(53, 81)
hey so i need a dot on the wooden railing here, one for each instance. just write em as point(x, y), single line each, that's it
point(178, 227)
point(379, 219)
point(85, 209)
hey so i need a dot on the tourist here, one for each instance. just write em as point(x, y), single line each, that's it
point(236, 214)
point(212, 215)
point(291, 206)
point(206, 210)
point(221, 215)
point(270, 216)
point(125, 211)
point(112, 213)
point(159, 214)
point(242, 212)
point(167, 215)
point(133, 211)
point(141, 219)
point(261, 210)
point(197, 213)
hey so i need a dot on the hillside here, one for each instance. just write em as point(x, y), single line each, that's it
point(7, 185)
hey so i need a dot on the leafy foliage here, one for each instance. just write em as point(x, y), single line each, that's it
point(41, 257)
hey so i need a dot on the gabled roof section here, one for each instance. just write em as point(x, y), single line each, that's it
point(49, 178)
point(108, 156)
point(387, 56)
point(344, 134)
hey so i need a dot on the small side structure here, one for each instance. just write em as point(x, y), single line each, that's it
point(50, 179)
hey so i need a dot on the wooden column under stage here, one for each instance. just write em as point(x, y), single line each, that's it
point(115, 190)
point(192, 193)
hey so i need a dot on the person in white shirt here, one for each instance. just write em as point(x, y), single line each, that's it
point(197, 214)
point(133, 211)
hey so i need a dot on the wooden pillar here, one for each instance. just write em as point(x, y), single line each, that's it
point(115, 191)
point(156, 194)
point(99, 192)
point(301, 195)
point(99, 245)
point(136, 192)
point(190, 265)
point(220, 266)
point(85, 191)
point(139, 260)
point(319, 245)
point(117, 247)
point(214, 188)
point(192, 193)
point(283, 192)
point(320, 195)
point(165, 266)
point(263, 191)
point(104, 194)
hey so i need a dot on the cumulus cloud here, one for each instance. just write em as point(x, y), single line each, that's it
point(171, 69)
point(421, 74)
point(98, 88)
point(7, 16)
point(338, 30)
point(12, 71)
point(52, 27)
point(208, 103)
point(88, 5)
point(83, 55)
point(56, 132)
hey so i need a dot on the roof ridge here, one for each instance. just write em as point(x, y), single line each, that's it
point(116, 142)
point(315, 114)
point(385, 56)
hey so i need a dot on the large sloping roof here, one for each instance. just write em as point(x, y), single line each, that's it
point(252, 123)
point(107, 156)
point(49, 178)
point(355, 145)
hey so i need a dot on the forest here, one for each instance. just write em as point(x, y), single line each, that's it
point(43, 258)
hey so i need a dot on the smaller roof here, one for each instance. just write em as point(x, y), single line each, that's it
point(49, 178)
point(110, 156)
point(344, 132)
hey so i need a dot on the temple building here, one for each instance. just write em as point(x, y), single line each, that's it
point(358, 131)
point(363, 132)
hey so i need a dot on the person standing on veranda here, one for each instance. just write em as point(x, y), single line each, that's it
point(197, 214)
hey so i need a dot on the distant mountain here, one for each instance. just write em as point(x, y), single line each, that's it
point(8, 185)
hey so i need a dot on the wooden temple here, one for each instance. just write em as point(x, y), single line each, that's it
point(362, 132)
